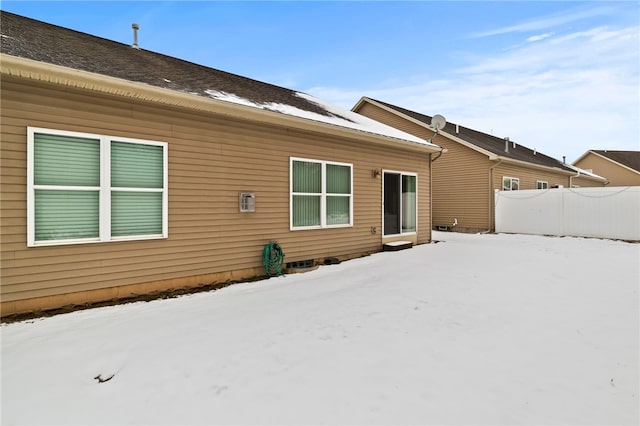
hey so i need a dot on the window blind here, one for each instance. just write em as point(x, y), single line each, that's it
point(306, 210)
point(81, 186)
point(61, 215)
point(66, 161)
point(135, 165)
point(136, 213)
point(73, 163)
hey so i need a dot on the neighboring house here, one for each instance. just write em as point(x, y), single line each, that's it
point(128, 172)
point(473, 166)
point(622, 168)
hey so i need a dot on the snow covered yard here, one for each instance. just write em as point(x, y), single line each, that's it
point(477, 329)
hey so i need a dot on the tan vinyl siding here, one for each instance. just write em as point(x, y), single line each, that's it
point(464, 179)
point(527, 176)
point(383, 116)
point(585, 182)
point(460, 176)
point(211, 159)
point(616, 174)
point(460, 188)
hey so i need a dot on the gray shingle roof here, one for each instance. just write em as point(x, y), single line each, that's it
point(630, 159)
point(40, 41)
point(35, 40)
point(492, 144)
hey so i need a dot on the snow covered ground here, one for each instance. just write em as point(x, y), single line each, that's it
point(476, 329)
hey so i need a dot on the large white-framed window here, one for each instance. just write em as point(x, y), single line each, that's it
point(400, 202)
point(541, 184)
point(84, 188)
point(321, 194)
point(510, 183)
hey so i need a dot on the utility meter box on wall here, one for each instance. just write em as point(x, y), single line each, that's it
point(247, 202)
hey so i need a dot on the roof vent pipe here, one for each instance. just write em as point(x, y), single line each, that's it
point(564, 159)
point(457, 129)
point(535, 151)
point(506, 144)
point(135, 27)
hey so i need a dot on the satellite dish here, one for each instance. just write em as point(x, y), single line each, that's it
point(438, 122)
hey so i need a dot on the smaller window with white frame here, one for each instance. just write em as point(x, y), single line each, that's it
point(510, 184)
point(541, 184)
point(321, 194)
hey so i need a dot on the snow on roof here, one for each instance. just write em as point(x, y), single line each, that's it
point(336, 115)
point(39, 41)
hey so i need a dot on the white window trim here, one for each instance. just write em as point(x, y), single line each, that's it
point(104, 189)
point(323, 195)
point(544, 183)
point(511, 179)
point(401, 212)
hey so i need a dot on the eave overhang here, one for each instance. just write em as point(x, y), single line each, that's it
point(68, 77)
point(490, 155)
point(607, 159)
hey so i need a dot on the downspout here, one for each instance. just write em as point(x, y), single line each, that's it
point(571, 179)
point(442, 150)
point(491, 194)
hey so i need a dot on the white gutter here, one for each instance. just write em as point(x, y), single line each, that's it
point(433, 160)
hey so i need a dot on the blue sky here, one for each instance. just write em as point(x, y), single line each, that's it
point(562, 77)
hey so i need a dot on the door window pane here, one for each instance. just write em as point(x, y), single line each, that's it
point(408, 203)
point(391, 203)
point(400, 206)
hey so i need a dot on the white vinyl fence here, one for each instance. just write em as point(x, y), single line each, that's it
point(580, 212)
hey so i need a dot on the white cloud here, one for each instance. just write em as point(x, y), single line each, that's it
point(539, 37)
point(549, 21)
point(561, 95)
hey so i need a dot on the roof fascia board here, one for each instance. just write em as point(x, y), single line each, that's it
point(615, 162)
point(581, 157)
point(364, 100)
point(489, 154)
point(534, 166)
point(359, 104)
point(64, 76)
point(469, 145)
